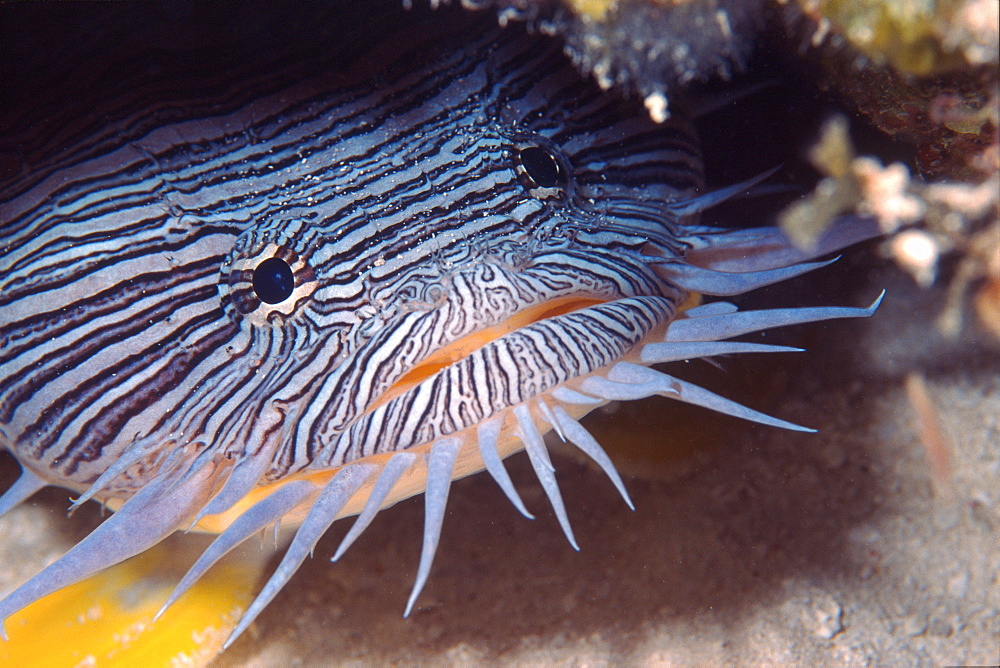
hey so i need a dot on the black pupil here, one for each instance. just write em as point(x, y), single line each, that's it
point(540, 166)
point(273, 281)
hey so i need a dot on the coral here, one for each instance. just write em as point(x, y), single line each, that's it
point(923, 73)
point(913, 36)
point(925, 221)
point(652, 48)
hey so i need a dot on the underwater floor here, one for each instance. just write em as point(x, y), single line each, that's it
point(749, 545)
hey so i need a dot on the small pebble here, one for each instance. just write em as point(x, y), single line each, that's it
point(829, 616)
point(958, 584)
point(912, 625)
point(940, 628)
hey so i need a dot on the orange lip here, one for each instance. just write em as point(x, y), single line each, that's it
point(462, 347)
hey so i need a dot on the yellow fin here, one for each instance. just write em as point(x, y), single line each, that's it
point(106, 620)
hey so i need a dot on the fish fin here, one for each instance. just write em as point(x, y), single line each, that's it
point(680, 390)
point(711, 308)
point(539, 457)
point(242, 479)
point(765, 248)
point(659, 353)
point(703, 103)
point(568, 396)
point(695, 205)
point(391, 472)
point(583, 439)
point(153, 513)
point(136, 452)
point(267, 511)
point(694, 278)
point(23, 487)
point(333, 497)
point(728, 325)
point(611, 390)
point(487, 433)
point(440, 464)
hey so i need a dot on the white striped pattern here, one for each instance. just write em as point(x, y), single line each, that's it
point(138, 363)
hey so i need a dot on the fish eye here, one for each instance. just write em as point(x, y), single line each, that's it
point(273, 281)
point(540, 166)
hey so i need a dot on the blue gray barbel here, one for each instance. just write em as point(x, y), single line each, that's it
point(333, 286)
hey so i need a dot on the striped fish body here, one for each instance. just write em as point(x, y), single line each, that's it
point(395, 196)
point(329, 282)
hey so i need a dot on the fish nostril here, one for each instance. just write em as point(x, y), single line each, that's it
point(273, 281)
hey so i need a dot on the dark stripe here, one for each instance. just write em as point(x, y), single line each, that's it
point(384, 172)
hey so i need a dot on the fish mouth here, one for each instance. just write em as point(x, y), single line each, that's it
point(470, 344)
point(482, 376)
